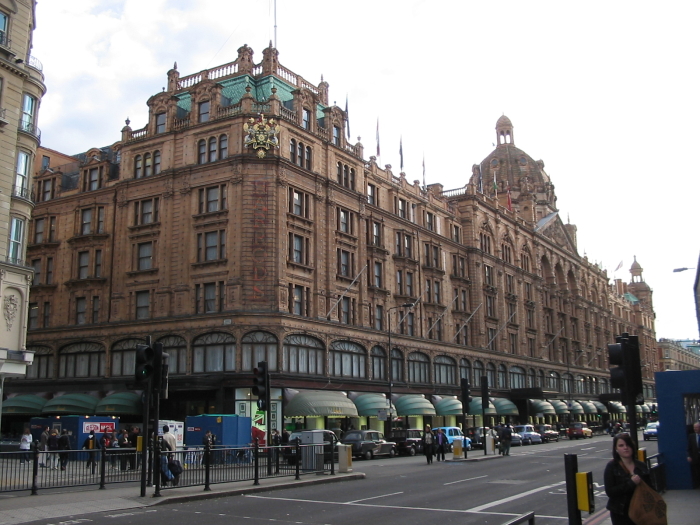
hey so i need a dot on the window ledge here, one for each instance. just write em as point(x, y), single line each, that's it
point(150, 271)
point(88, 237)
point(215, 262)
point(300, 266)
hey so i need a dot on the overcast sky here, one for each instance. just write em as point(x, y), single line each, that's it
point(605, 93)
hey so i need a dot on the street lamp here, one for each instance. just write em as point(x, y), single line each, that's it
point(390, 371)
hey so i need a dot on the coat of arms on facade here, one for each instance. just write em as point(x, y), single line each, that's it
point(261, 134)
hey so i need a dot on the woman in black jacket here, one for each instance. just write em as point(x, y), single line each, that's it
point(428, 444)
point(622, 475)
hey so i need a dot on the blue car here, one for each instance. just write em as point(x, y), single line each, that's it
point(453, 433)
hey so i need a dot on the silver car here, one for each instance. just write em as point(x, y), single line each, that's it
point(529, 434)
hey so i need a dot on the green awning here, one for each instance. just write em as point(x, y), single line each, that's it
point(23, 405)
point(588, 407)
point(639, 409)
point(75, 404)
point(475, 408)
point(121, 403)
point(414, 405)
point(320, 403)
point(559, 406)
point(504, 407)
point(370, 404)
point(540, 406)
point(575, 407)
point(602, 409)
point(617, 407)
point(447, 406)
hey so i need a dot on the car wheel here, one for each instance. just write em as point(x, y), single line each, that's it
point(412, 451)
point(528, 441)
point(392, 453)
point(368, 454)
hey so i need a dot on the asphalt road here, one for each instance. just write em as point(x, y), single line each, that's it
point(398, 491)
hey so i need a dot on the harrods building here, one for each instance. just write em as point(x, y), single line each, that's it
point(240, 225)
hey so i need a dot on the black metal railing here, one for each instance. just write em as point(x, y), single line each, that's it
point(201, 466)
point(657, 472)
point(528, 518)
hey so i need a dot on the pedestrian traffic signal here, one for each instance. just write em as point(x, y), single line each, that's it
point(144, 367)
point(484, 393)
point(261, 384)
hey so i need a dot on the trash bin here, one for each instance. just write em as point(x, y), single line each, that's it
point(457, 449)
point(490, 445)
point(344, 458)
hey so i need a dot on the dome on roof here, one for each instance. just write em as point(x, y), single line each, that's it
point(635, 265)
point(504, 122)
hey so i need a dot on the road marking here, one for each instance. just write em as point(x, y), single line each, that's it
point(375, 497)
point(589, 448)
point(461, 480)
point(517, 496)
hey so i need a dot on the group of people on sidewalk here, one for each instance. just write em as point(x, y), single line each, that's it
point(434, 444)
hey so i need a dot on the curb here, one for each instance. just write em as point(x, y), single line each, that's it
point(185, 498)
point(478, 458)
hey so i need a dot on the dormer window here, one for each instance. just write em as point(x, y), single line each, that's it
point(160, 123)
point(204, 111)
point(92, 179)
point(306, 119)
point(336, 135)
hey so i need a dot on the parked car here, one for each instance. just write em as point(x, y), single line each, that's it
point(579, 430)
point(651, 431)
point(474, 434)
point(516, 440)
point(330, 447)
point(453, 433)
point(369, 443)
point(408, 442)
point(547, 432)
point(529, 434)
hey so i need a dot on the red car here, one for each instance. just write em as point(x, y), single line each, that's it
point(579, 430)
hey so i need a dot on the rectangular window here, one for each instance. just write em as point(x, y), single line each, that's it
point(28, 114)
point(456, 233)
point(378, 275)
point(409, 284)
point(512, 313)
point(463, 300)
point(346, 313)
point(16, 252)
point(33, 316)
point(39, 225)
point(510, 284)
point(86, 222)
point(211, 246)
point(100, 219)
point(379, 317)
point(204, 111)
point(96, 309)
point(436, 291)
point(83, 264)
point(410, 324)
point(513, 341)
point(298, 300)
point(488, 275)
point(428, 291)
point(145, 256)
point(346, 263)
point(143, 304)
point(346, 221)
point(49, 270)
point(376, 234)
point(47, 315)
point(47, 189)
point(372, 195)
point(298, 203)
point(531, 347)
point(491, 334)
point(212, 199)
point(98, 263)
point(36, 264)
point(401, 208)
point(530, 318)
point(80, 309)
point(93, 179)
point(146, 211)
point(160, 123)
point(528, 291)
point(22, 177)
point(336, 135)
point(490, 306)
point(430, 221)
point(45, 161)
point(299, 249)
point(306, 119)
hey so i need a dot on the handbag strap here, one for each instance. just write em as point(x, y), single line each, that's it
point(624, 467)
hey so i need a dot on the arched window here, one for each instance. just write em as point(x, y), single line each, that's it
point(302, 354)
point(340, 173)
point(445, 370)
point(156, 162)
point(82, 360)
point(202, 152)
point(553, 381)
point(124, 357)
point(42, 367)
point(418, 368)
point(176, 348)
point(532, 378)
point(347, 360)
point(212, 149)
point(223, 146)
point(568, 383)
point(465, 370)
point(491, 374)
point(540, 379)
point(256, 347)
point(147, 165)
point(378, 363)
point(517, 377)
point(214, 352)
point(581, 385)
point(478, 372)
point(293, 151)
point(604, 387)
point(138, 166)
point(396, 365)
point(300, 154)
point(308, 157)
point(502, 376)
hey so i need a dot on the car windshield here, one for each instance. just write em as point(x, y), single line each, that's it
point(353, 435)
point(653, 425)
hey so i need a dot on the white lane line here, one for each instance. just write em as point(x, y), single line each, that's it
point(375, 497)
point(461, 480)
point(588, 448)
point(512, 498)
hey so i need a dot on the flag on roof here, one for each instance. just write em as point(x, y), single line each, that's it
point(347, 116)
point(619, 266)
point(378, 151)
point(423, 170)
point(401, 151)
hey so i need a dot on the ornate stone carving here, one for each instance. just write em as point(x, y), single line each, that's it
point(122, 199)
point(10, 308)
point(169, 192)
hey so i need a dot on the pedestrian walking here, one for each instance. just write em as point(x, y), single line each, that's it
point(441, 444)
point(428, 444)
point(25, 445)
point(64, 446)
point(52, 446)
point(43, 446)
point(622, 475)
point(506, 437)
point(90, 444)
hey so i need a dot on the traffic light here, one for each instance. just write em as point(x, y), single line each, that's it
point(466, 392)
point(627, 375)
point(164, 369)
point(144, 367)
point(484, 393)
point(157, 366)
point(261, 384)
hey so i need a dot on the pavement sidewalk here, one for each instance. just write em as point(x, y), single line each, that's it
point(683, 509)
